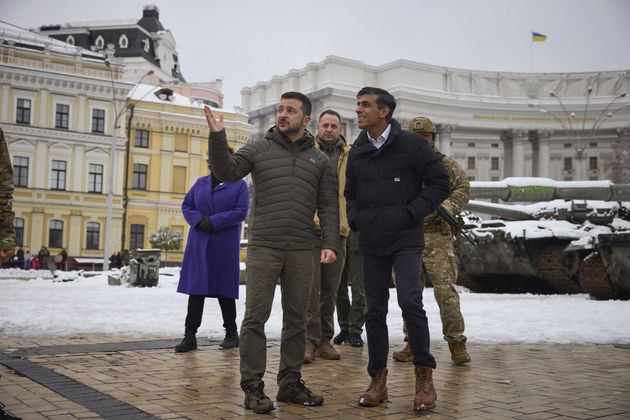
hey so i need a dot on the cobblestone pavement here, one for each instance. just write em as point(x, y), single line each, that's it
point(115, 377)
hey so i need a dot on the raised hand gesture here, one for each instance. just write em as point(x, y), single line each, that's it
point(213, 124)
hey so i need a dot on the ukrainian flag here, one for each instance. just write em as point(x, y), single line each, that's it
point(536, 37)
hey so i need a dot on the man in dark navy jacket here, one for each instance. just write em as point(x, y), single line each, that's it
point(394, 180)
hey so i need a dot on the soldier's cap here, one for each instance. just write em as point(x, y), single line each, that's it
point(421, 125)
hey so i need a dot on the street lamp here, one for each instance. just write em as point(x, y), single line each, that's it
point(112, 162)
point(580, 136)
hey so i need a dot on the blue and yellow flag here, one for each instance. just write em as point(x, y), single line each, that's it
point(536, 37)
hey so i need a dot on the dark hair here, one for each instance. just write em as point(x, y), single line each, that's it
point(383, 98)
point(306, 103)
point(331, 112)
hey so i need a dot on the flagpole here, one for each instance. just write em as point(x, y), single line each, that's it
point(531, 54)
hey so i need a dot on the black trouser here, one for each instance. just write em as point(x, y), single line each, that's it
point(195, 311)
point(377, 273)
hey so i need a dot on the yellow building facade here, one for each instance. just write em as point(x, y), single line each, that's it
point(57, 111)
point(168, 152)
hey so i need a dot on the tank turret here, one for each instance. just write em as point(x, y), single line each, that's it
point(566, 237)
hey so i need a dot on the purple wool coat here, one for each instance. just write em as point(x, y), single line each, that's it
point(211, 260)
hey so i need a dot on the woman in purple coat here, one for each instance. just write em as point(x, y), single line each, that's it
point(214, 210)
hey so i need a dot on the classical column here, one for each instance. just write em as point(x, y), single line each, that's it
point(445, 133)
point(43, 108)
point(37, 230)
point(74, 247)
point(508, 166)
point(519, 138)
point(543, 153)
point(4, 110)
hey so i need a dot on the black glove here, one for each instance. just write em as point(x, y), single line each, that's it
point(205, 224)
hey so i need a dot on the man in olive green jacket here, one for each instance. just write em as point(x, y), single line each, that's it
point(292, 179)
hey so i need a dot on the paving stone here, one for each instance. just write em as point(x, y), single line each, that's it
point(116, 377)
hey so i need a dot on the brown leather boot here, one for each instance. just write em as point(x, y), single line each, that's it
point(376, 392)
point(328, 352)
point(459, 355)
point(425, 391)
point(405, 355)
point(309, 354)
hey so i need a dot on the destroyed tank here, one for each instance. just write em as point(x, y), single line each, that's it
point(573, 237)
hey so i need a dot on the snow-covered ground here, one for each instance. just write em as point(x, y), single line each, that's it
point(32, 304)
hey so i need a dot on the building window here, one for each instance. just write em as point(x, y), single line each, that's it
point(495, 145)
point(568, 145)
point(494, 178)
point(593, 178)
point(23, 111)
point(568, 164)
point(471, 178)
point(181, 142)
point(592, 163)
point(92, 235)
point(95, 178)
point(62, 115)
point(568, 178)
point(471, 162)
point(139, 181)
point(20, 171)
point(179, 179)
point(136, 239)
point(123, 41)
point(98, 120)
point(471, 144)
point(594, 144)
point(494, 163)
point(55, 234)
point(100, 42)
point(58, 175)
point(142, 138)
point(18, 222)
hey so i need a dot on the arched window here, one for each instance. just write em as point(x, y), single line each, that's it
point(70, 40)
point(100, 42)
point(123, 41)
point(55, 234)
point(92, 235)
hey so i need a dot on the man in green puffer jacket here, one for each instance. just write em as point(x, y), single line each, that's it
point(292, 179)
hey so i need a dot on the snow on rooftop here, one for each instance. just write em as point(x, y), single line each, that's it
point(539, 182)
point(146, 93)
point(13, 34)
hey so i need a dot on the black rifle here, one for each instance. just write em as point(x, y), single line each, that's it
point(457, 225)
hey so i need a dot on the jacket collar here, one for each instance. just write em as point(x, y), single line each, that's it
point(304, 143)
point(363, 145)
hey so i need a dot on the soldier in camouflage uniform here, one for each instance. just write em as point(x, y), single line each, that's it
point(439, 256)
point(7, 229)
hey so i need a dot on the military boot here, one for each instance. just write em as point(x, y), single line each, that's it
point(459, 355)
point(377, 390)
point(425, 391)
point(310, 353)
point(256, 399)
point(405, 355)
point(328, 352)
point(189, 342)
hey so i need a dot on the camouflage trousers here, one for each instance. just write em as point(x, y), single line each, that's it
point(441, 266)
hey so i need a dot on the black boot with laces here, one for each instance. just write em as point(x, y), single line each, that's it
point(256, 399)
point(188, 343)
point(297, 393)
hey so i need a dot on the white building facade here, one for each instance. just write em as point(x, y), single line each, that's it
point(563, 126)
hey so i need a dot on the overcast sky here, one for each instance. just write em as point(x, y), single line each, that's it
point(247, 41)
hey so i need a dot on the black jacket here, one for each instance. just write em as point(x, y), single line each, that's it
point(291, 181)
point(390, 190)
